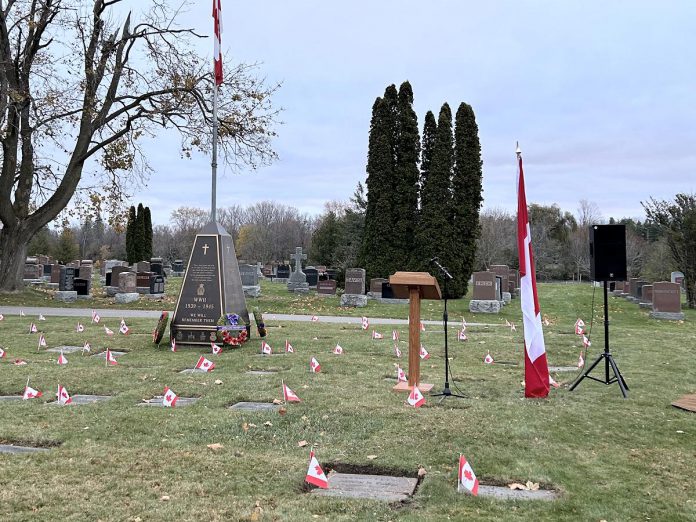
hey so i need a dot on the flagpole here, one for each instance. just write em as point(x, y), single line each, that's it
point(213, 163)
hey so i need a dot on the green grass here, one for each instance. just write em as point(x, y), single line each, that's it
point(611, 458)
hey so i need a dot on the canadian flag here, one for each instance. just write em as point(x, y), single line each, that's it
point(338, 349)
point(2, 317)
point(108, 330)
point(488, 359)
point(581, 361)
point(395, 335)
point(217, 350)
point(124, 329)
point(400, 374)
point(110, 359)
point(397, 352)
point(424, 353)
point(422, 327)
point(462, 335)
point(266, 348)
point(170, 398)
point(63, 396)
point(32, 328)
point(289, 395)
point(87, 347)
point(173, 348)
point(62, 359)
point(536, 370)
point(314, 365)
point(288, 347)
point(42, 341)
point(463, 324)
point(507, 323)
point(546, 322)
point(217, 53)
point(585, 341)
point(513, 328)
point(79, 328)
point(41, 317)
point(2, 353)
point(415, 398)
point(553, 383)
point(315, 475)
point(579, 326)
point(205, 364)
point(377, 335)
point(31, 393)
point(21, 313)
point(95, 317)
point(314, 319)
point(365, 323)
point(467, 478)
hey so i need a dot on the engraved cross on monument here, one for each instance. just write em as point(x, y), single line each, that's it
point(298, 280)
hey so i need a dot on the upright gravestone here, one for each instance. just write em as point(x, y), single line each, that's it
point(67, 279)
point(212, 287)
point(282, 274)
point(157, 266)
point(312, 275)
point(503, 271)
point(178, 268)
point(156, 284)
point(81, 286)
point(142, 266)
point(484, 292)
point(142, 282)
point(666, 301)
point(326, 287)
point(376, 286)
point(355, 288)
point(632, 288)
point(115, 271)
point(298, 280)
point(250, 280)
point(332, 274)
point(55, 273)
point(127, 283)
point(618, 288)
point(646, 296)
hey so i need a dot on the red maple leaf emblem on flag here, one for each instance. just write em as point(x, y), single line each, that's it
point(468, 475)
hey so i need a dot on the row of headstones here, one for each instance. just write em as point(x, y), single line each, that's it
point(128, 283)
point(493, 289)
point(663, 298)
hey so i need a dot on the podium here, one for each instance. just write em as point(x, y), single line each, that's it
point(414, 286)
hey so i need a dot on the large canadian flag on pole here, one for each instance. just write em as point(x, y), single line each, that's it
point(536, 371)
point(217, 53)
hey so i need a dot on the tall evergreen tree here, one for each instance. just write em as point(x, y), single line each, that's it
point(325, 240)
point(131, 254)
point(377, 249)
point(467, 196)
point(405, 184)
point(435, 232)
point(139, 235)
point(147, 225)
point(429, 131)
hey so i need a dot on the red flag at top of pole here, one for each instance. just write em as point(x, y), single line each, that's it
point(536, 371)
point(217, 53)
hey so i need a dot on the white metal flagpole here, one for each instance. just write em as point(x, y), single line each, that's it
point(213, 164)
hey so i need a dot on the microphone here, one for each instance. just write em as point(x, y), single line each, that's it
point(434, 259)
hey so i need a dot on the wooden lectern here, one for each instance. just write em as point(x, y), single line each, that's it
point(414, 286)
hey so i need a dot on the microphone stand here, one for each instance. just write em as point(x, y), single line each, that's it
point(446, 392)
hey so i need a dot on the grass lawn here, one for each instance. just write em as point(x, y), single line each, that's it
point(610, 458)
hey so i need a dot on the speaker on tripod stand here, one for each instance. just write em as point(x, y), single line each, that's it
point(607, 263)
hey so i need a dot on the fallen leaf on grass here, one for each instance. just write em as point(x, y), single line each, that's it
point(517, 485)
point(282, 411)
point(532, 486)
point(302, 444)
point(215, 446)
point(421, 471)
point(245, 427)
point(218, 381)
point(371, 457)
point(277, 401)
point(268, 423)
point(164, 498)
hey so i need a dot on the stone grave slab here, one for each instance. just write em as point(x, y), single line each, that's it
point(261, 372)
point(327, 287)
point(10, 448)
point(156, 401)
point(560, 369)
point(80, 400)
point(65, 349)
point(505, 493)
point(8, 398)
point(102, 355)
point(374, 487)
point(255, 406)
point(355, 281)
point(193, 370)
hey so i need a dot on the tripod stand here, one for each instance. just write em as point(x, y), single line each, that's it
point(446, 392)
point(608, 359)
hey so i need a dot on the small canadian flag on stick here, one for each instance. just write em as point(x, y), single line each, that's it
point(365, 323)
point(462, 335)
point(32, 328)
point(315, 475)
point(585, 341)
point(63, 396)
point(579, 326)
point(395, 335)
point(2, 353)
point(422, 326)
point(217, 349)
point(488, 359)
point(123, 328)
point(377, 335)
point(266, 348)
point(288, 347)
point(86, 347)
point(338, 349)
point(289, 395)
point(581, 361)
point(79, 328)
point(108, 331)
point(42, 341)
point(314, 365)
point(424, 353)
point(467, 479)
point(169, 399)
point(62, 359)
point(315, 318)
point(95, 317)
point(30, 393)
point(205, 364)
point(415, 398)
point(110, 359)
point(400, 374)
point(397, 352)
point(173, 348)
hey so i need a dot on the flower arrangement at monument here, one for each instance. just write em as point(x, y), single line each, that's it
point(230, 332)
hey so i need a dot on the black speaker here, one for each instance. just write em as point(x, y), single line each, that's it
point(608, 252)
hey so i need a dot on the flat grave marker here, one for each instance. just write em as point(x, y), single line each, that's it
point(374, 487)
point(255, 406)
point(11, 448)
point(156, 401)
point(81, 400)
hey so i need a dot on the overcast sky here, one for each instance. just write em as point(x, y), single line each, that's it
point(601, 96)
